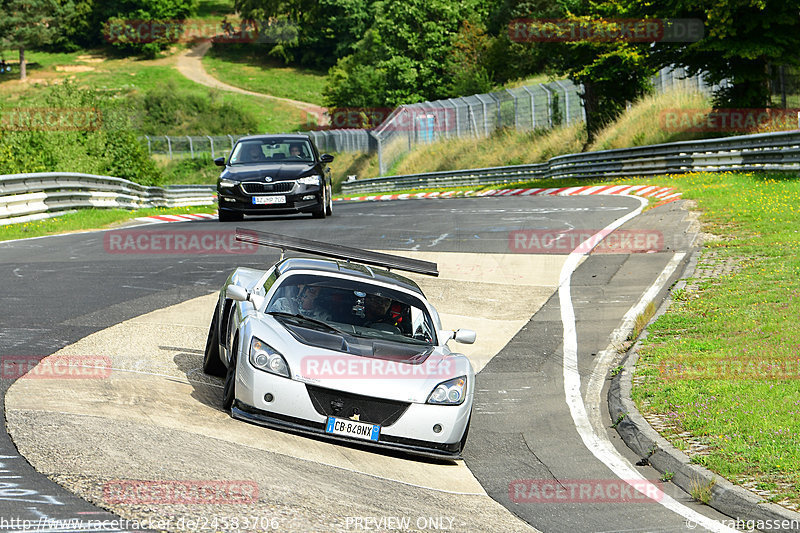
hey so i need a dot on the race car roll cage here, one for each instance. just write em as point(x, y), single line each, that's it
point(336, 251)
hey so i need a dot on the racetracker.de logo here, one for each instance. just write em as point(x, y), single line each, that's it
point(175, 242)
point(528, 30)
point(584, 491)
point(423, 121)
point(316, 367)
point(125, 31)
point(728, 120)
point(730, 368)
point(585, 241)
point(175, 492)
point(55, 367)
point(51, 119)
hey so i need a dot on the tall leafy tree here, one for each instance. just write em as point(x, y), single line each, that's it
point(742, 38)
point(29, 24)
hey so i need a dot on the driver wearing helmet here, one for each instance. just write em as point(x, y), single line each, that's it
point(306, 303)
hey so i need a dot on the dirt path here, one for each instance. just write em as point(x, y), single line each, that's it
point(189, 63)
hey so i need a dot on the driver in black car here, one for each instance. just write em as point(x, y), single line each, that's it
point(296, 151)
point(254, 153)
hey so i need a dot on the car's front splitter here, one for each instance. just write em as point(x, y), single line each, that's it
point(246, 413)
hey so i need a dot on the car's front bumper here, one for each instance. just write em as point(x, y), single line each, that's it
point(292, 408)
point(306, 200)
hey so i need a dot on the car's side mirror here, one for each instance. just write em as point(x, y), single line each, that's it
point(326, 158)
point(220, 161)
point(465, 336)
point(237, 293)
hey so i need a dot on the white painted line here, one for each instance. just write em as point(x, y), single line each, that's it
point(601, 447)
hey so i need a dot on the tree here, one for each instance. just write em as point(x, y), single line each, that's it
point(742, 39)
point(29, 24)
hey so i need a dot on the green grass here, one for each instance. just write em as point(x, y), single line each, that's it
point(87, 219)
point(722, 363)
point(249, 67)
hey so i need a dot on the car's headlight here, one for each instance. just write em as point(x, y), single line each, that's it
point(450, 392)
point(265, 357)
point(310, 180)
point(228, 183)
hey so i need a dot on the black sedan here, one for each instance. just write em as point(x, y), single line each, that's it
point(274, 174)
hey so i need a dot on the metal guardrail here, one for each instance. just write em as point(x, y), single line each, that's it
point(765, 151)
point(26, 197)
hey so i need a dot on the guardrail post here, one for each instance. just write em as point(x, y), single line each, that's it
point(169, 146)
point(211, 142)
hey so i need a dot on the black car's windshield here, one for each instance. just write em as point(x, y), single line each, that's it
point(358, 309)
point(272, 151)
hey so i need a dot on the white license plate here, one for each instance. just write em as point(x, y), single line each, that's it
point(351, 428)
point(269, 200)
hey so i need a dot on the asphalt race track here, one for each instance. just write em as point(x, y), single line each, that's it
point(544, 317)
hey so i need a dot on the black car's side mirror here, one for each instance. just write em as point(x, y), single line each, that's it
point(220, 161)
point(326, 158)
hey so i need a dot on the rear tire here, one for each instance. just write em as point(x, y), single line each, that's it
point(229, 216)
point(229, 391)
point(211, 362)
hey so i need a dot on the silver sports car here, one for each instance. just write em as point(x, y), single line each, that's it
point(340, 348)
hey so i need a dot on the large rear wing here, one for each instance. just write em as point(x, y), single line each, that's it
point(336, 251)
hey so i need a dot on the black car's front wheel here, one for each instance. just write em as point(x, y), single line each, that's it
point(229, 390)
point(320, 210)
point(226, 215)
point(329, 206)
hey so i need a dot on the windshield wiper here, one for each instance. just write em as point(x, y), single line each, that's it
point(304, 318)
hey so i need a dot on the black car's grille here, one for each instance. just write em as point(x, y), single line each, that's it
point(258, 188)
point(345, 405)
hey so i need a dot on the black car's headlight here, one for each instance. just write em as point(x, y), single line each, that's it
point(310, 180)
point(265, 357)
point(227, 184)
point(450, 392)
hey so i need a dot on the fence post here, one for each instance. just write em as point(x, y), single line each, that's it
point(191, 148)
point(231, 138)
point(533, 107)
point(566, 100)
point(549, 105)
point(169, 146)
point(516, 108)
point(211, 142)
point(149, 152)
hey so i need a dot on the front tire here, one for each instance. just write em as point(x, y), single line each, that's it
point(329, 207)
point(211, 362)
point(229, 391)
point(229, 216)
point(319, 211)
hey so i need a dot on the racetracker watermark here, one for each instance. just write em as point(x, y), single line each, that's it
point(55, 367)
point(124, 31)
point(51, 119)
point(730, 368)
point(175, 242)
point(175, 492)
point(423, 121)
point(401, 523)
point(585, 241)
point(584, 491)
point(730, 120)
point(528, 30)
point(314, 367)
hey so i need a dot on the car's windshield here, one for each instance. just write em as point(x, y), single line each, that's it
point(359, 309)
point(272, 151)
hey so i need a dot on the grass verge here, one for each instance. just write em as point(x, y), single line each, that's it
point(87, 219)
point(720, 369)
